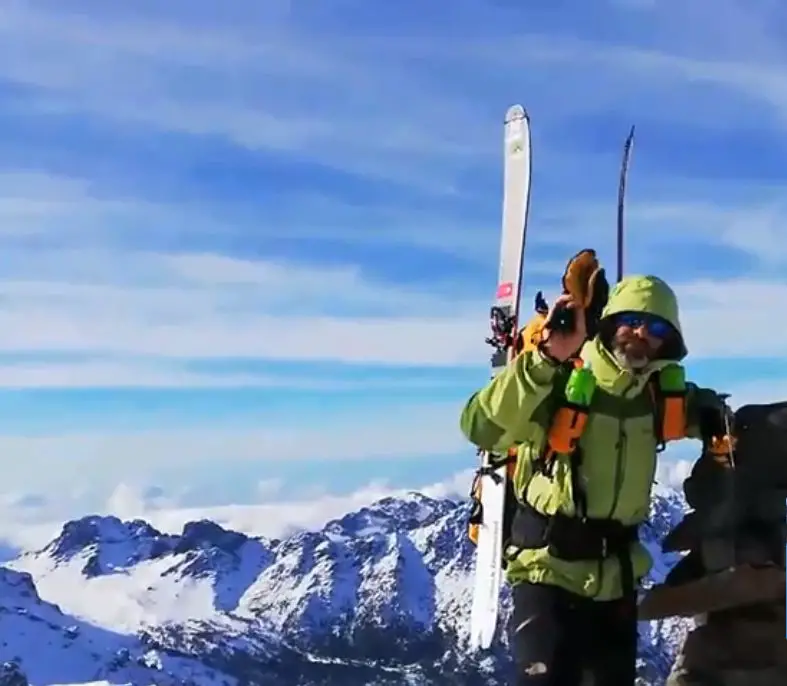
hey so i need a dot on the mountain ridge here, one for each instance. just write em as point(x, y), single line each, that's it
point(377, 596)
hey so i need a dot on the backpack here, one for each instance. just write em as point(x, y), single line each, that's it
point(738, 510)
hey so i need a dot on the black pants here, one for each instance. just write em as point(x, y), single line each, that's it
point(559, 638)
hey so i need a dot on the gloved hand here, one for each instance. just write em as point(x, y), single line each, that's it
point(560, 343)
point(574, 316)
point(585, 280)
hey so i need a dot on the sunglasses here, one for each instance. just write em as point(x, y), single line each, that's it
point(655, 326)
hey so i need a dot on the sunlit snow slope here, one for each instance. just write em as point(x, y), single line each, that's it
point(380, 596)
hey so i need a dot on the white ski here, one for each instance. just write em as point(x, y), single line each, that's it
point(504, 319)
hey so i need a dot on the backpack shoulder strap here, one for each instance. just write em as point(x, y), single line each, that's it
point(667, 388)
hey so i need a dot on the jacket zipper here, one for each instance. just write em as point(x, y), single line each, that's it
point(620, 466)
point(619, 475)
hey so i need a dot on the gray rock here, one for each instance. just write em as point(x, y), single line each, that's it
point(12, 675)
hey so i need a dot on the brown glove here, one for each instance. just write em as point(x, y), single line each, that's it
point(586, 282)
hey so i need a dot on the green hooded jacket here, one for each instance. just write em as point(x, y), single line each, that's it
point(619, 444)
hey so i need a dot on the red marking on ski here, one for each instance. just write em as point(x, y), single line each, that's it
point(505, 290)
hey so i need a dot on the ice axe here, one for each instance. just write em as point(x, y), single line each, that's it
point(624, 167)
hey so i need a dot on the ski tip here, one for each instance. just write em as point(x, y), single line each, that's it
point(515, 112)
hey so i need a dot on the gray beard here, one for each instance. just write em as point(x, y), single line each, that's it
point(630, 363)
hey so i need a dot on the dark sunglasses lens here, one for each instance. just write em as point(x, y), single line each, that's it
point(655, 326)
point(658, 328)
point(631, 320)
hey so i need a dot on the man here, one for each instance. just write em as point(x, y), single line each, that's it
point(583, 476)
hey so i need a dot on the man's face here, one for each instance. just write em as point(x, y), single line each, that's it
point(638, 339)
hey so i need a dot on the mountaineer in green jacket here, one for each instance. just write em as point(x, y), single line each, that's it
point(588, 433)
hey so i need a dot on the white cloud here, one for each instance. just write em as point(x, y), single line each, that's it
point(136, 373)
point(404, 340)
point(269, 488)
point(112, 302)
point(58, 461)
point(225, 77)
point(106, 301)
point(169, 73)
point(285, 515)
point(732, 318)
point(180, 323)
point(127, 502)
point(277, 516)
point(206, 305)
point(672, 473)
point(140, 316)
point(145, 374)
point(141, 326)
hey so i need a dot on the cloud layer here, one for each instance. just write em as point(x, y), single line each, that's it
point(31, 522)
point(265, 233)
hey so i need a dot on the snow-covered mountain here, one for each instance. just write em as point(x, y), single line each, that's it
point(380, 596)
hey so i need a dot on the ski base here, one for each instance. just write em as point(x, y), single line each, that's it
point(504, 317)
point(488, 569)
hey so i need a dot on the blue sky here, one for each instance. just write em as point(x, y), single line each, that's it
point(255, 243)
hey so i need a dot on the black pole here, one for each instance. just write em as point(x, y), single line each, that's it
point(622, 198)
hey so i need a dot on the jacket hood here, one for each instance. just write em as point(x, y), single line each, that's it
point(651, 295)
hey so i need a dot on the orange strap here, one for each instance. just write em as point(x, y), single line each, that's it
point(570, 421)
point(673, 422)
point(672, 410)
point(566, 429)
